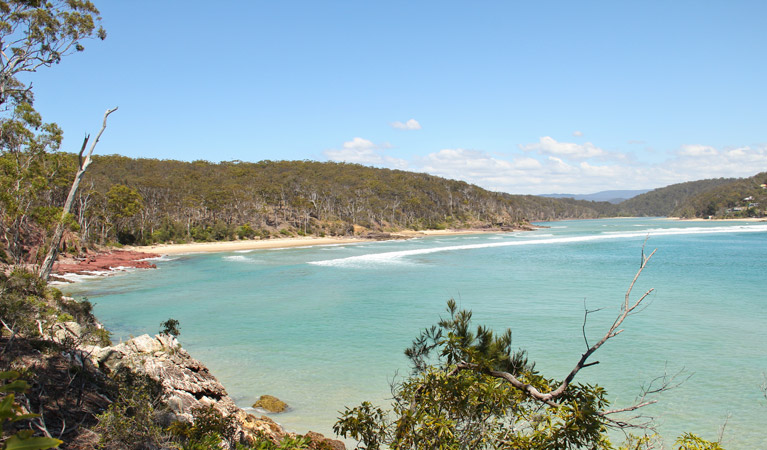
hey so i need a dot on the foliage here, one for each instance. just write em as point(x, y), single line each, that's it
point(171, 327)
point(130, 421)
point(23, 302)
point(671, 200)
point(689, 441)
point(443, 406)
point(11, 411)
point(204, 201)
point(33, 34)
point(738, 198)
point(455, 399)
point(208, 430)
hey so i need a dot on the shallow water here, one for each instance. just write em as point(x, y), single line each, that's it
point(325, 327)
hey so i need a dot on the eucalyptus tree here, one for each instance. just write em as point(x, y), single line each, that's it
point(33, 34)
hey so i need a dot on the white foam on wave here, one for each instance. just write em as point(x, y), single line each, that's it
point(397, 257)
point(91, 275)
point(236, 258)
point(161, 258)
point(242, 259)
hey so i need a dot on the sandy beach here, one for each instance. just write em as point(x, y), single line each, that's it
point(255, 244)
point(230, 246)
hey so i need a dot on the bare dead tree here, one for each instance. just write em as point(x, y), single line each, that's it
point(53, 251)
point(628, 307)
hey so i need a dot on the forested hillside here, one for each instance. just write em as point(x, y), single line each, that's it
point(743, 197)
point(147, 200)
point(667, 200)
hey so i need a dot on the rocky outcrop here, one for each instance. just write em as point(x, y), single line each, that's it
point(186, 383)
point(103, 262)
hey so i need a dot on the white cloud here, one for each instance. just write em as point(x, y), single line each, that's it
point(577, 133)
point(365, 152)
point(541, 171)
point(411, 124)
point(549, 146)
point(697, 150)
point(359, 144)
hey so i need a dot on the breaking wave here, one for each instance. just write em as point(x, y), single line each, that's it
point(398, 257)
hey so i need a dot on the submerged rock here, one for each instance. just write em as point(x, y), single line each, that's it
point(271, 404)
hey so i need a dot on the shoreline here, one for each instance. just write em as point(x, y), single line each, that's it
point(310, 241)
point(110, 261)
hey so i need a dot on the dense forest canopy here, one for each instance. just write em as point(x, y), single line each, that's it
point(147, 200)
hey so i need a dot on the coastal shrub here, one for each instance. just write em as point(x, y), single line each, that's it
point(130, 421)
point(171, 327)
point(245, 231)
point(209, 429)
point(23, 300)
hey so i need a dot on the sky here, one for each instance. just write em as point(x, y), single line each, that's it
point(519, 97)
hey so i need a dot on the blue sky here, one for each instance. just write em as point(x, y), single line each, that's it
point(521, 97)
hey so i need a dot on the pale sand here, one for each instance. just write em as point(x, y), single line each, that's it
point(230, 246)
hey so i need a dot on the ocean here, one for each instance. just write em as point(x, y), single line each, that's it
point(325, 327)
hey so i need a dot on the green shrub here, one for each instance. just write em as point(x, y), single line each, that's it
point(129, 423)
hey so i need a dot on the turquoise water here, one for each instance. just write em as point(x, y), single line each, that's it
point(324, 327)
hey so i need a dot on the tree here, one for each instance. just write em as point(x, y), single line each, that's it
point(470, 390)
point(171, 327)
point(53, 251)
point(123, 202)
point(38, 33)
point(33, 34)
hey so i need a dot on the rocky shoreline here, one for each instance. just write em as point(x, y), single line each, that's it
point(101, 262)
point(186, 383)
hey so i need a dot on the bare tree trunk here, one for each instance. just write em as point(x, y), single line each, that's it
point(53, 251)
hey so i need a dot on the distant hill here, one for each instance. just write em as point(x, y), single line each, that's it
point(742, 197)
point(669, 200)
point(614, 196)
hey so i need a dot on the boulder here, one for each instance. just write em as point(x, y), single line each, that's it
point(319, 441)
point(270, 404)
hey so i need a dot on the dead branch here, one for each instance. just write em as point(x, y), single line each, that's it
point(53, 251)
point(549, 398)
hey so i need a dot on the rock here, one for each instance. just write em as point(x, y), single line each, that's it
point(67, 330)
point(271, 404)
point(145, 344)
point(319, 441)
point(186, 383)
point(262, 426)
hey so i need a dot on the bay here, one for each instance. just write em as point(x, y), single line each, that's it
point(325, 327)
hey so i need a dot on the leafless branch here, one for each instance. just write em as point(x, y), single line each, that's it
point(586, 313)
point(53, 251)
point(549, 398)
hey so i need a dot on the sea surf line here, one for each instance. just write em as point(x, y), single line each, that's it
point(397, 256)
